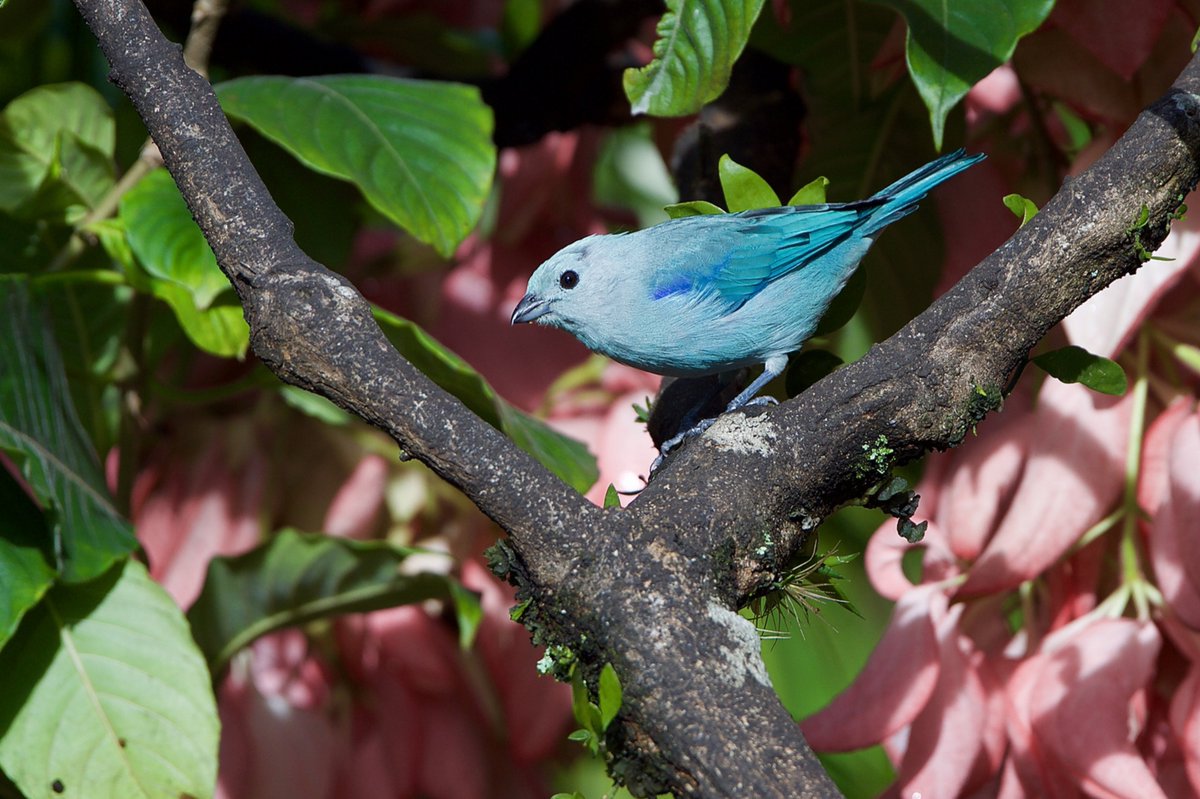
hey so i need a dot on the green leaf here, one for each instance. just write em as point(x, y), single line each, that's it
point(744, 188)
point(40, 431)
point(1076, 365)
point(314, 405)
point(692, 208)
point(811, 193)
point(1078, 131)
point(114, 240)
point(20, 173)
point(296, 578)
point(56, 140)
point(519, 25)
point(609, 695)
point(468, 612)
point(1022, 207)
point(580, 703)
point(167, 241)
point(89, 319)
point(420, 151)
point(566, 457)
point(106, 695)
point(697, 45)
point(951, 46)
point(25, 570)
point(611, 498)
point(219, 329)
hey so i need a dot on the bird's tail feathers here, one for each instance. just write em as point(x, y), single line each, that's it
point(903, 195)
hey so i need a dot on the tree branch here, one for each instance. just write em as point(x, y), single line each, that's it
point(652, 589)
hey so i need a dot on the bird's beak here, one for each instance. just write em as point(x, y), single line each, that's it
point(529, 308)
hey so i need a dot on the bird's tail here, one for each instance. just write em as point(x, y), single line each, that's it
point(901, 198)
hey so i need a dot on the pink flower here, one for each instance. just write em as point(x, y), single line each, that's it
point(1170, 491)
point(280, 734)
point(200, 495)
point(1072, 475)
point(1077, 707)
point(1011, 667)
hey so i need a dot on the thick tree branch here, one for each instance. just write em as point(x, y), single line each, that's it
point(652, 589)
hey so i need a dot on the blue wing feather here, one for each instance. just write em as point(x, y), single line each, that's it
point(731, 258)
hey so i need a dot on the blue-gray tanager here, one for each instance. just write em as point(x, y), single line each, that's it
point(705, 294)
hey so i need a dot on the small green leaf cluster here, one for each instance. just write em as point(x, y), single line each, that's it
point(1139, 225)
point(746, 190)
point(594, 718)
point(877, 458)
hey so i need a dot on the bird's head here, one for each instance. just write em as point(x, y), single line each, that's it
point(571, 290)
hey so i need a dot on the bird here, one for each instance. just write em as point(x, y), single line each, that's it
point(708, 294)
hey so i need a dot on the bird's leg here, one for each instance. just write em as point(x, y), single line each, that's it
point(772, 369)
point(674, 441)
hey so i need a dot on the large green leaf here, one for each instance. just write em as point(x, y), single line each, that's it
point(167, 240)
point(220, 329)
point(697, 45)
point(562, 455)
point(566, 457)
point(89, 316)
point(296, 578)
point(953, 45)
point(183, 272)
point(420, 151)
point(56, 144)
point(25, 570)
point(106, 696)
point(40, 431)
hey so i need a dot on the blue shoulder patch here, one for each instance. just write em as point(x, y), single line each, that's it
point(680, 284)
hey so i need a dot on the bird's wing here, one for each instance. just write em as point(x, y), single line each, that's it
point(773, 242)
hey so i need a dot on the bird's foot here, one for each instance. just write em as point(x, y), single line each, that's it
point(755, 403)
point(694, 431)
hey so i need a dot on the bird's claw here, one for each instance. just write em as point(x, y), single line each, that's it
point(766, 399)
point(694, 431)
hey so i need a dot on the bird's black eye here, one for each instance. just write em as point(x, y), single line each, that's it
point(568, 279)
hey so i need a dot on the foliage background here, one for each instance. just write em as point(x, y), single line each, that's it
point(128, 393)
